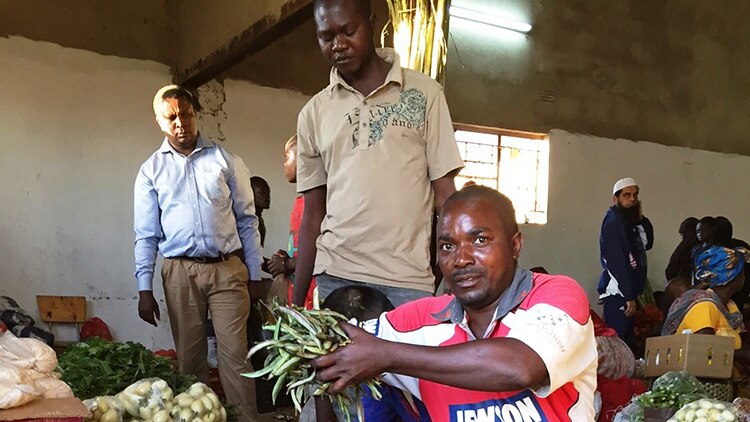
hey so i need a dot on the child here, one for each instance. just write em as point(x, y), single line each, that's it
point(365, 303)
point(284, 262)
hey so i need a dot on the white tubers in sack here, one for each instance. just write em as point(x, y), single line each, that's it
point(705, 410)
point(144, 399)
point(105, 409)
point(198, 403)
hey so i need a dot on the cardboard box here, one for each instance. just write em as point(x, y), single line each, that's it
point(68, 409)
point(701, 355)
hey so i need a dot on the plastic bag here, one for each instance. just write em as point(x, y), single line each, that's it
point(105, 409)
point(45, 358)
point(679, 382)
point(27, 353)
point(706, 410)
point(146, 398)
point(51, 388)
point(12, 374)
point(95, 327)
point(742, 405)
point(14, 395)
point(199, 402)
point(630, 413)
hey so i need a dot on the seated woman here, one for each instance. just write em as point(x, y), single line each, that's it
point(712, 311)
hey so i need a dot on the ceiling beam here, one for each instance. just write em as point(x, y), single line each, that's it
point(253, 39)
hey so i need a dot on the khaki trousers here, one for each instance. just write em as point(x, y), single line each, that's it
point(191, 290)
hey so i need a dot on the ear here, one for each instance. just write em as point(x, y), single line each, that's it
point(517, 244)
point(614, 199)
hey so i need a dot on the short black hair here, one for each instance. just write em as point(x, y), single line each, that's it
point(687, 226)
point(503, 205)
point(708, 221)
point(724, 229)
point(183, 93)
point(361, 5)
point(359, 302)
point(259, 182)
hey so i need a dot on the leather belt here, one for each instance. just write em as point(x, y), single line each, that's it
point(211, 259)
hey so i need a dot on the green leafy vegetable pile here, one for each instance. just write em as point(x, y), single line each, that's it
point(671, 390)
point(98, 367)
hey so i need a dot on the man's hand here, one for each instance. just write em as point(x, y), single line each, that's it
point(148, 309)
point(629, 308)
point(277, 263)
point(354, 363)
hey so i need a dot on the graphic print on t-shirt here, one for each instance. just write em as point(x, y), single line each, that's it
point(408, 113)
point(521, 407)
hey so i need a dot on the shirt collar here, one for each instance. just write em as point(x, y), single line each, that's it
point(394, 75)
point(509, 300)
point(199, 145)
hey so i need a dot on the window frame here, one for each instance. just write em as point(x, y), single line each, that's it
point(510, 133)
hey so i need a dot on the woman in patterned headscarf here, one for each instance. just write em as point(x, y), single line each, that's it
point(712, 311)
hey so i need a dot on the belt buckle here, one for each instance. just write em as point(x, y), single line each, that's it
point(201, 259)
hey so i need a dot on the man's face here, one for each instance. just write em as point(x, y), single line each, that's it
point(290, 165)
point(262, 197)
point(176, 118)
point(344, 35)
point(476, 255)
point(703, 233)
point(628, 197)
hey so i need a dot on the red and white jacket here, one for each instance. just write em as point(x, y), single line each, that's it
point(549, 313)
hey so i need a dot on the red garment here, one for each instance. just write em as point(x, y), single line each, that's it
point(601, 329)
point(616, 394)
point(295, 221)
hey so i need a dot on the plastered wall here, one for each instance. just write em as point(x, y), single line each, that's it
point(77, 125)
point(675, 182)
point(75, 128)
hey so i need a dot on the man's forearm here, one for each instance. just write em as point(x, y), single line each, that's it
point(483, 365)
point(145, 261)
point(305, 262)
point(443, 188)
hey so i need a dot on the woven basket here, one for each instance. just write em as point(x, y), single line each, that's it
point(719, 389)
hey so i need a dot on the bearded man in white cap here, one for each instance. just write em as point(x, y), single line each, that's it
point(625, 237)
point(194, 204)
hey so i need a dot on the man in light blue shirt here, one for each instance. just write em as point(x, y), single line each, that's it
point(194, 204)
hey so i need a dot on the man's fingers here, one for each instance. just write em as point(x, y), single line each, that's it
point(323, 361)
point(338, 387)
point(157, 314)
point(148, 317)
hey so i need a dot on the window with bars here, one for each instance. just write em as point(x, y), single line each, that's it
point(515, 163)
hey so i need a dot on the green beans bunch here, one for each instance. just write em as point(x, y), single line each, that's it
point(300, 335)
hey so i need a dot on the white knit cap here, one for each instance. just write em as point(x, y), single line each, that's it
point(623, 183)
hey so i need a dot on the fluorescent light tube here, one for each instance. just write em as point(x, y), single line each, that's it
point(475, 16)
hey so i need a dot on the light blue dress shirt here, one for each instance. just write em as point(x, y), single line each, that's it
point(198, 206)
